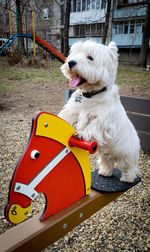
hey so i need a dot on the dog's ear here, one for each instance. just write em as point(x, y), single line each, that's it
point(113, 50)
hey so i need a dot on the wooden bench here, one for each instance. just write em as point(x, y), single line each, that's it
point(138, 110)
point(34, 235)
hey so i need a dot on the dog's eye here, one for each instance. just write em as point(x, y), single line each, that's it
point(90, 58)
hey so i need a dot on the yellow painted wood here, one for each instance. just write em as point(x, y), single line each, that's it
point(18, 214)
point(55, 128)
point(10, 28)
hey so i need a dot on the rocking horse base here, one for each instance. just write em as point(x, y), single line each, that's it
point(111, 184)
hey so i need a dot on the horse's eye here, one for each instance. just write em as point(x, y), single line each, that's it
point(90, 58)
point(35, 154)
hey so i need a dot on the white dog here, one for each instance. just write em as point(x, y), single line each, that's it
point(95, 110)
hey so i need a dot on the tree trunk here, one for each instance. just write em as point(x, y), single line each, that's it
point(18, 5)
point(145, 39)
point(66, 27)
point(106, 22)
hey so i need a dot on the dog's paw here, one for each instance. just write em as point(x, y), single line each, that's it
point(127, 179)
point(105, 172)
point(78, 136)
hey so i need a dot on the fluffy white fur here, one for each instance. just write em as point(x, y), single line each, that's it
point(101, 117)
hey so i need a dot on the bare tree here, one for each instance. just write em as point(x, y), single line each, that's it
point(66, 27)
point(106, 22)
point(145, 39)
point(4, 24)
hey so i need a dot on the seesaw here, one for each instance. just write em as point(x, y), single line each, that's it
point(54, 163)
point(36, 235)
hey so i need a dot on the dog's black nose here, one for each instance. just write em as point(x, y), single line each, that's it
point(72, 63)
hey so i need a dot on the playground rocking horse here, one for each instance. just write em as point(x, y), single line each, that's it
point(53, 163)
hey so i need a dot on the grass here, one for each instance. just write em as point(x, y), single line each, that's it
point(28, 74)
point(9, 75)
point(133, 77)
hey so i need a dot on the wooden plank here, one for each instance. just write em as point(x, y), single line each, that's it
point(137, 105)
point(34, 235)
point(130, 103)
point(141, 122)
point(145, 140)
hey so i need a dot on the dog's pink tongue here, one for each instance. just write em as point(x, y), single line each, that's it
point(75, 81)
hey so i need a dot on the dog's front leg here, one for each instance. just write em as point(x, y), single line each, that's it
point(105, 164)
point(82, 127)
point(69, 117)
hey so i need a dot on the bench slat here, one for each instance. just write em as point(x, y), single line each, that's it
point(34, 235)
point(137, 105)
point(145, 140)
point(140, 122)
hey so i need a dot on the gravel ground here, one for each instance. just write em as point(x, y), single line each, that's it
point(123, 225)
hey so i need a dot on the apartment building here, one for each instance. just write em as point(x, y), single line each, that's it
point(127, 28)
point(127, 18)
point(87, 19)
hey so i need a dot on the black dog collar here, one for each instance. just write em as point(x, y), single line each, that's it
point(94, 92)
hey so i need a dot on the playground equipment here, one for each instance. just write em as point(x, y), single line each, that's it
point(29, 34)
point(50, 164)
point(38, 40)
point(36, 235)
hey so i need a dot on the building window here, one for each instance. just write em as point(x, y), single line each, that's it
point(93, 4)
point(86, 5)
point(83, 5)
point(120, 28)
point(78, 5)
point(103, 4)
point(48, 35)
point(128, 27)
point(97, 4)
point(46, 13)
point(88, 30)
point(132, 26)
point(115, 27)
point(139, 26)
point(123, 3)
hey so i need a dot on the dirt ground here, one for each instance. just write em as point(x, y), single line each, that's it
point(47, 94)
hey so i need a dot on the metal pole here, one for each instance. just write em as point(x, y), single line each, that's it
point(17, 20)
point(2, 41)
point(26, 33)
point(10, 25)
point(33, 17)
point(46, 59)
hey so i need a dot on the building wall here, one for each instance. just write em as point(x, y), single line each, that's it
point(87, 17)
point(48, 22)
point(131, 55)
point(129, 12)
point(127, 28)
point(128, 23)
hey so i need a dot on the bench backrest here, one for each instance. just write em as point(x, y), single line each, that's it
point(138, 110)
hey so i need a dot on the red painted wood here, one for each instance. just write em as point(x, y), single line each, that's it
point(60, 186)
